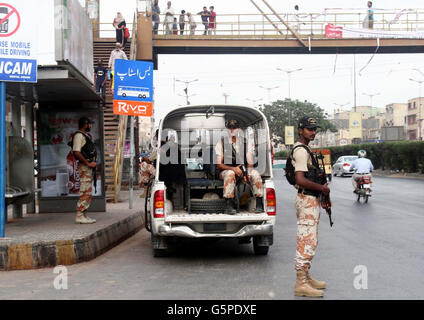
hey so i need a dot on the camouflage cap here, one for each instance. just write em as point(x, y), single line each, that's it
point(308, 122)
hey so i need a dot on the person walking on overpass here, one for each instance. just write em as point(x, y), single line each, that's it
point(370, 15)
point(182, 22)
point(119, 24)
point(192, 23)
point(212, 20)
point(155, 16)
point(205, 14)
point(169, 18)
point(100, 78)
point(117, 53)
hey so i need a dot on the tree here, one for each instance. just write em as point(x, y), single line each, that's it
point(280, 112)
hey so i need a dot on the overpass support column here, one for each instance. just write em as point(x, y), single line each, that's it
point(144, 37)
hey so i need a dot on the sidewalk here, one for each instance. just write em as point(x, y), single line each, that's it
point(47, 240)
point(394, 174)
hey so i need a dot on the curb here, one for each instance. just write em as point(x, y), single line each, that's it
point(45, 254)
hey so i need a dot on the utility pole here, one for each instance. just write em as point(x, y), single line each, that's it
point(354, 83)
point(420, 82)
point(269, 91)
point(187, 83)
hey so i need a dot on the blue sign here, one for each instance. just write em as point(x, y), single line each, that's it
point(133, 80)
point(18, 70)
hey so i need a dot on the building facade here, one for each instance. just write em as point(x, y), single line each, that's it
point(414, 119)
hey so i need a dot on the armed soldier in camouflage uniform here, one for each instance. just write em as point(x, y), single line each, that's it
point(230, 167)
point(307, 210)
point(83, 151)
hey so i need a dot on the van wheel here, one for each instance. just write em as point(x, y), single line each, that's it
point(260, 250)
point(159, 253)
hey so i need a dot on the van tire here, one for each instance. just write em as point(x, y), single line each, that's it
point(260, 250)
point(160, 253)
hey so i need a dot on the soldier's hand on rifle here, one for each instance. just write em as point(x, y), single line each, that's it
point(92, 165)
point(238, 171)
point(325, 190)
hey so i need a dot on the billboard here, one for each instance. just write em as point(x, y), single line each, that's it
point(18, 41)
point(74, 36)
point(58, 167)
point(289, 136)
point(355, 125)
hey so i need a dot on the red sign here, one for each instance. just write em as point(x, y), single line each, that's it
point(5, 20)
point(133, 108)
point(332, 31)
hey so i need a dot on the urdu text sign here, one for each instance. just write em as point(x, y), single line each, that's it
point(133, 88)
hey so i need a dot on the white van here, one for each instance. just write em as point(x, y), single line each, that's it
point(185, 200)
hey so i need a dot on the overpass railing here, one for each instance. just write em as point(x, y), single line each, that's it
point(305, 24)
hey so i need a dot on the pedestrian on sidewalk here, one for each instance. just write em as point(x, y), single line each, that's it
point(192, 23)
point(117, 53)
point(182, 22)
point(100, 79)
point(212, 20)
point(307, 206)
point(205, 14)
point(119, 24)
point(155, 16)
point(84, 151)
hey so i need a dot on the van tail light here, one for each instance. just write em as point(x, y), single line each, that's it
point(346, 165)
point(159, 204)
point(271, 202)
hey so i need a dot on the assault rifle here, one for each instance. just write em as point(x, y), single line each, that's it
point(323, 180)
point(246, 175)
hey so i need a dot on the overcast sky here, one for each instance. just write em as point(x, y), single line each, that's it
point(241, 75)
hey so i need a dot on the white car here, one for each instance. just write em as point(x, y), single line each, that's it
point(185, 199)
point(342, 166)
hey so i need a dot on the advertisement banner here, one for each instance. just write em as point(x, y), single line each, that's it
point(333, 31)
point(18, 41)
point(355, 125)
point(289, 136)
point(58, 166)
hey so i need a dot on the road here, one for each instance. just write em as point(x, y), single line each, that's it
point(383, 237)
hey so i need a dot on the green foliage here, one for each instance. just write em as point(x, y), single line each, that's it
point(282, 154)
point(404, 155)
point(282, 113)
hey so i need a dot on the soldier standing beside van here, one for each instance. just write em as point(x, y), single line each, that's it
point(85, 152)
point(307, 209)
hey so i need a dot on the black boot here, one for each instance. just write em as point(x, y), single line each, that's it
point(259, 205)
point(229, 208)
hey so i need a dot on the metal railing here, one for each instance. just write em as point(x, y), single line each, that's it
point(305, 24)
point(122, 128)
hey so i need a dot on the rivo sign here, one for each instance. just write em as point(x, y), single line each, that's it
point(133, 108)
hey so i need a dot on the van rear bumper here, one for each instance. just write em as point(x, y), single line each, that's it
point(187, 232)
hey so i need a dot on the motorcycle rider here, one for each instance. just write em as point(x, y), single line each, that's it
point(363, 167)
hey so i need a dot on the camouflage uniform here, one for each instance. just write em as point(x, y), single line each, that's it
point(308, 214)
point(147, 171)
point(229, 178)
point(86, 187)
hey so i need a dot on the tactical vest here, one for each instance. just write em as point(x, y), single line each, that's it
point(88, 151)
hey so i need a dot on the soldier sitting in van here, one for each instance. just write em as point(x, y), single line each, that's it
point(229, 167)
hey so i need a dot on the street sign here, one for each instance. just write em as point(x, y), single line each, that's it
point(18, 38)
point(133, 88)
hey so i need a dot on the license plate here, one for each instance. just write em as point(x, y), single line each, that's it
point(214, 227)
point(367, 186)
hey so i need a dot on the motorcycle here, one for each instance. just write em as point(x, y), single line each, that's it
point(364, 188)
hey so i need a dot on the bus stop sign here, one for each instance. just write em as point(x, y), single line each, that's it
point(133, 88)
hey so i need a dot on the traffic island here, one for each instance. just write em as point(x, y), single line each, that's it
point(47, 240)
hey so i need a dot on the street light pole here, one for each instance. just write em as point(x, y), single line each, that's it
point(269, 91)
point(371, 96)
point(289, 72)
point(187, 83)
point(420, 82)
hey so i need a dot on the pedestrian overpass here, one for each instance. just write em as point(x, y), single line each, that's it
point(333, 31)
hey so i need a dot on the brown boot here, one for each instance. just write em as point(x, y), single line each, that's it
point(315, 283)
point(303, 288)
